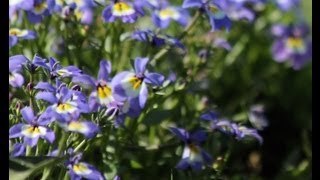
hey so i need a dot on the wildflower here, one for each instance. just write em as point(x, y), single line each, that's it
point(292, 44)
point(56, 70)
point(126, 11)
point(15, 65)
point(193, 155)
point(286, 5)
point(87, 128)
point(35, 128)
point(16, 34)
point(78, 169)
point(163, 15)
point(40, 9)
point(217, 17)
point(64, 103)
point(19, 149)
point(102, 93)
point(228, 127)
point(133, 84)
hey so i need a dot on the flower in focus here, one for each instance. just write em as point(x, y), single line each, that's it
point(16, 34)
point(102, 93)
point(293, 44)
point(56, 70)
point(87, 128)
point(193, 155)
point(65, 103)
point(126, 11)
point(133, 84)
point(35, 128)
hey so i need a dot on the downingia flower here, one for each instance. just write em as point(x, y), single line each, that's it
point(40, 9)
point(293, 44)
point(193, 155)
point(65, 103)
point(229, 127)
point(162, 15)
point(78, 169)
point(286, 5)
point(56, 70)
point(15, 66)
point(87, 128)
point(16, 34)
point(35, 129)
point(133, 84)
point(126, 11)
point(102, 93)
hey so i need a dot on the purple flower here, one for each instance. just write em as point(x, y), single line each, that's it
point(15, 66)
point(16, 34)
point(286, 5)
point(126, 11)
point(162, 16)
point(19, 149)
point(56, 70)
point(217, 16)
point(87, 128)
point(40, 9)
point(78, 170)
point(193, 155)
point(133, 84)
point(35, 128)
point(65, 103)
point(229, 127)
point(293, 44)
point(102, 93)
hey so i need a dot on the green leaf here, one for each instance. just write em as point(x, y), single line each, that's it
point(24, 167)
point(135, 164)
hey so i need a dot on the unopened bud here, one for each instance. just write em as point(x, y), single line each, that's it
point(30, 86)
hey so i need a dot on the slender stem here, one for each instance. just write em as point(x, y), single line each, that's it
point(79, 146)
point(164, 51)
point(62, 143)
point(28, 151)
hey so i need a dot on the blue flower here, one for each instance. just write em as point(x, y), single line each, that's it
point(35, 128)
point(126, 11)
point(193, 155)
point(292, 44)
point(162, 16)
point(16, 34)
point(133, 84)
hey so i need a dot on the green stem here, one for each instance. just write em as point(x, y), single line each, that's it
point(183, 34)
point(28, 150)
point(62, 143)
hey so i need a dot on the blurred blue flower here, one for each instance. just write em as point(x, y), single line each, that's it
point(128, 12)
point(16, 34)
point(193, 155)
point(292, 44)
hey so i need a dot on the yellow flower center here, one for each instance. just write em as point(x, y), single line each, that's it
point(39, 8)
point(64, 107)
point(168, 12)
point(75, 125)
point(135, 82)
point(104, 91)
point(295, 43)
point(15, 32)
point(81, 168)
point(33, 130)
point(121, 6)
